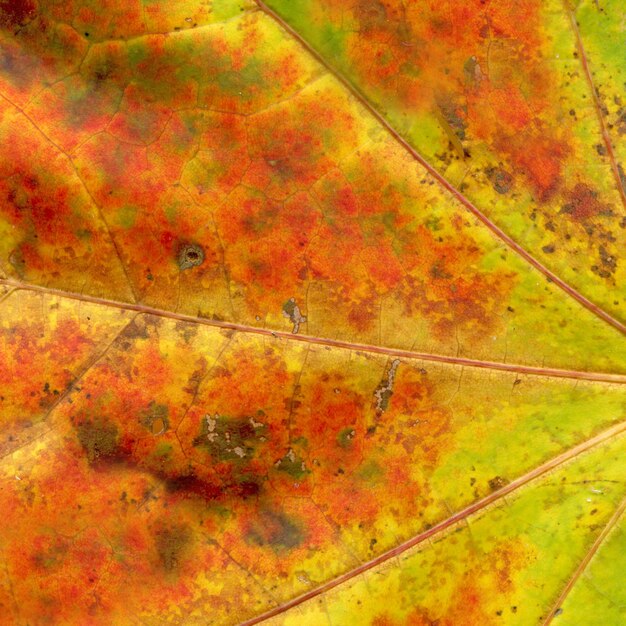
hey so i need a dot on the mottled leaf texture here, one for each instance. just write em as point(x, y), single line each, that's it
point(312, 312)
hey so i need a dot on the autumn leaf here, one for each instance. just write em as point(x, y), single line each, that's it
point(312, 312)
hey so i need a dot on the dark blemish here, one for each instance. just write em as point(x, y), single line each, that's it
point(622, 176)
point(51, 557)
point(501, 180)
point(276, 530)
point(190, 255)
point(621, 122)
point(102, 72)
point(472, 72)
point(370, 13)
point(608, 261)
point(99, 438)
point(155, 418)
point(437, 271)
point(345, 437)
point(16, 259)
point(451, 114)
point(171, 544)
point(248, 488)
point(601, 150)
point(293, 465)
point(551, 226)
point(433, 223)
point(549, 249)
point(191, 485)
point(134, 330)
point(558, 612)
point(292, 312)
point(497, 482)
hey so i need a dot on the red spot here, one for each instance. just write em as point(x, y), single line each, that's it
point(583, 203)
point(540, 159)
point(17, 12)
point(167, 238)
point(190, 485)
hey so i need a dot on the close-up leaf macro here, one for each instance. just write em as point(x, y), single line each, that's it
point(312, 312)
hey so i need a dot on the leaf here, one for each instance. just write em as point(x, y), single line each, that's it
point(311, 312)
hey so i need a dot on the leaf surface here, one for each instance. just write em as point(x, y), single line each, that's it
point(500, 99)
point(271, 353)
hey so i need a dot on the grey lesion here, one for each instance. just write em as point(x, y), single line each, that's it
point(292, 311)
point(293, 465)
point(230, 439)
point(384, 391)
point(190, 255)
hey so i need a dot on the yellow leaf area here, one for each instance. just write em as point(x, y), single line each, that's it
point(221, 172)
point(470, 574)
point(601, 26)
point(261, 362)
point(160, 471)
point(511, 102)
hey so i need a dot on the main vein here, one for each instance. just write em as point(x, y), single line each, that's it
point(322, 341)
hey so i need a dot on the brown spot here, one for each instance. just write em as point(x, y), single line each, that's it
point(608, 261)
point(99, 438)
point(497, 482)
point(501, 180)
point(171, 544)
